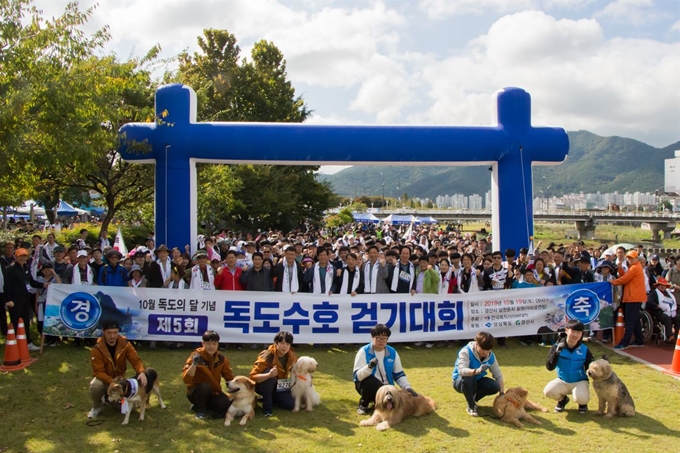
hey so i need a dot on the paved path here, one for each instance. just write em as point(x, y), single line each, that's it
point(658, 357)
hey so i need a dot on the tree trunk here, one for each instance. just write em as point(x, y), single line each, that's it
point(110, 213)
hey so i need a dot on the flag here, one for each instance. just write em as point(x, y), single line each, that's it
point(409, 232)
point(119, 244)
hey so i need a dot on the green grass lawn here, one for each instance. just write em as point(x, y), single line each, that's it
point(43, 409)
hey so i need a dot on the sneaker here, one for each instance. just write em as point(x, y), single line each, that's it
point(582, 408)
point(561, 404)
point(429, 345)
point(200, 415)
point(94, 412)
point(620, 347)
point(472, 411)
point(268, 414)
point(418, 343)
point(363, 410)
point(32, 347)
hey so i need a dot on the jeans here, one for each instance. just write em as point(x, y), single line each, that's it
point(271, 397)
point(475, 389)
point(631, 315)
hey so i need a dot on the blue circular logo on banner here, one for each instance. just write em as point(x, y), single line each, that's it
point(583, 305)
point(80, 311)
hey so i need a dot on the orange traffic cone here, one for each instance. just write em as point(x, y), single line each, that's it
point(23, 344)
point(12, 361)
point(675, 366)
point(619, 330)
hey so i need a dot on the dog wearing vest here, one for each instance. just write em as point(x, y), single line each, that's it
point(301, 386)
point(511, 407)
point(241, 392)
point(130, 393)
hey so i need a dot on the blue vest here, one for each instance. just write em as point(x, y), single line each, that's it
point(474, 363)
point(388, 363)
point(570, 364)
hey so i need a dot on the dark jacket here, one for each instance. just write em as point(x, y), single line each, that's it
point(277, 275)
point(253, 280)
point(16, 279)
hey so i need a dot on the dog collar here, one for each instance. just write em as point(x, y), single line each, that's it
point(134, 387)
point(302, 378)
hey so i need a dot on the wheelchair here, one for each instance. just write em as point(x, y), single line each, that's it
point(651, 328)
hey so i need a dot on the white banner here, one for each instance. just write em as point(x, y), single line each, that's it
point(255, 317)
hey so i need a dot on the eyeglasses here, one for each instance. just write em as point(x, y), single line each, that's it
point(381, 338)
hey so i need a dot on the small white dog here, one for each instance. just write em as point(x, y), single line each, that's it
point(301, 385)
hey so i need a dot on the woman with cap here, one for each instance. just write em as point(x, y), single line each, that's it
point(662, 305)
point(201, 276)
point(137, 279)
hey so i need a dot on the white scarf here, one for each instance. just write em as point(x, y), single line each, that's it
point(197, 278)
point(355, 280)
point(134, 387)
point(135, 284)
point(316, 289)
point(395, 275)
point(290, 279)
point(667, 304)
point(35, 262)
point(165, 268)
point(371, 277)
point(181, 284)
point(76, 275)
point(444, 286)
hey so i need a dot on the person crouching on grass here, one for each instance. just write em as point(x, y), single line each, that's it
point(375, 365)
point(469, 372)
point(571, 358)
point(202, 373)
point(271, 373)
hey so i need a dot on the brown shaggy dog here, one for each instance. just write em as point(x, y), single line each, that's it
point(393, 405)
point(242, 395)
point(611, 392)
point(512, 406)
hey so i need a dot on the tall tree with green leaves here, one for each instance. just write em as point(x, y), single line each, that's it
point(255, 89)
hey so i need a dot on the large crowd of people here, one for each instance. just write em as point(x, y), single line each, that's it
point(363, 259)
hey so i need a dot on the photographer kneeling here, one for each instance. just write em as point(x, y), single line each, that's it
point(571, 358)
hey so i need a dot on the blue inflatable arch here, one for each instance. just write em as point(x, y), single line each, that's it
point(176, 142)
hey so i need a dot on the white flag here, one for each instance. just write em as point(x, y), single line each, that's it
point(409, 232)
point(119, 244)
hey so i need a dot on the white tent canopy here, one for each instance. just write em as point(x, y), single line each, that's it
point(365, 217)
point(393, 219)
point(26, 208)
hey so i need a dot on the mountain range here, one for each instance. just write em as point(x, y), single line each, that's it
point(594, 163)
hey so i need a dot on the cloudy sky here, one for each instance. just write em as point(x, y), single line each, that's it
point(608, 66)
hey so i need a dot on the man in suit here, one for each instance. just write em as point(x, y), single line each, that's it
point(287, 274)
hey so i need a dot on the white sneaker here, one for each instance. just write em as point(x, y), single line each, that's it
point(32, 347)
point(94, 412)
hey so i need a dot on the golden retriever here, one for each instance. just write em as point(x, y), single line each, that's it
point(512, 406)
point(130, 393)
point(301, 385)
point(241, 392)
point(393, 405)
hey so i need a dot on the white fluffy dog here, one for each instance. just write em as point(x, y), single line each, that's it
point(301, 385)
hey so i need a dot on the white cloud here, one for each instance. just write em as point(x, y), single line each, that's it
point(441, 9)
point(633, 12)
point(577, 78)
point(676, 27)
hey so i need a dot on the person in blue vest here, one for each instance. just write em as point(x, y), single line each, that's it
point(571, 358)
point(375, 365)
point(470, 371)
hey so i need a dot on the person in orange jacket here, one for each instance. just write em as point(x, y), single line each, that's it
point(634, 295)
point(108, 358)
point(271, 372)
point(202, 373)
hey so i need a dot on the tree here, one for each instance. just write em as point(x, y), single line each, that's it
point(227, 89)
